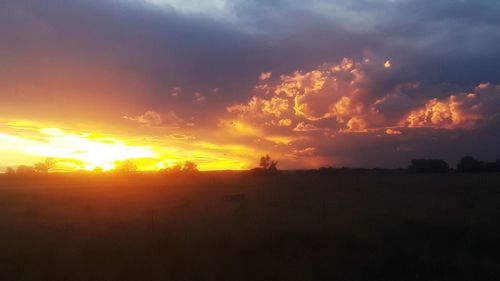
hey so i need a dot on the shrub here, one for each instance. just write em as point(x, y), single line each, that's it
point(428, 166)
point(189, 167)
point(25, 170)
point(468, 164)
point(126, 166)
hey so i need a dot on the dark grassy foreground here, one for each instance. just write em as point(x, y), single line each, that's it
point(235, 227)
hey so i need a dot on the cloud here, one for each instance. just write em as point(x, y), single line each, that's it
point(199, 98)
point(306, 127)
point(438, 114)
point(240, 128)
point(150, 118)
point(390, 131)
point(176, 91)
point(181, 137)
point(462, 110)
point(306, 152)
point(358, 103)
point(284, 122)
point(265, 76)
point(155, 119)
point(339, 95)
point(259, 107)
point(356, 125)
point(213, 8)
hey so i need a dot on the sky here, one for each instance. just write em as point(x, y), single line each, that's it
point(365, 83)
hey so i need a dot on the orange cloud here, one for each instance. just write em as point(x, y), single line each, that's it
point(284, 122)
point(265, 76)
point(387, 64)
point(305, 127)
point(344, 66)
point(343, 98)
point(300, 83)
point(150, 118)
point(258, 107)
point(155, 119)
point(306, 152)
point(447, 113)
point(330, 93)
point(356, 125)
point(393, 132)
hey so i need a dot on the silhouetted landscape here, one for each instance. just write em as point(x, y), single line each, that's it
point(426, 222)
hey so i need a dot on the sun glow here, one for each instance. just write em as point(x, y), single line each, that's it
point(82, 150)
point(25, 143)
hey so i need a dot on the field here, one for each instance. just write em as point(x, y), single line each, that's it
point(232, 226)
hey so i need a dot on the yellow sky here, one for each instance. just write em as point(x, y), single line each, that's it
point(27, 142)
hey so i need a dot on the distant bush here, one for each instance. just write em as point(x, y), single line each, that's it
point(10, 171)
point(469, 165)
point(176, 169)
point(188, 167)
point(428, 166)
point(25, 170)
point(342, 170)
point(388, 171)
point(126, 166)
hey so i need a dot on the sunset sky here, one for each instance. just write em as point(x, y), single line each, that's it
point(367, 83)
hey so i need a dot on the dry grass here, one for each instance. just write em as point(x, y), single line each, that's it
point(228, 226)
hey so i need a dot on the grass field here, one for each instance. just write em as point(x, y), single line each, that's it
point(230, 226)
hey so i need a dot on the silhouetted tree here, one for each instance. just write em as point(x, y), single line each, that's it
point(428, 166)
point(176, 169)
point(45, 166)
point(469, 165)
point(126, 166)
point(189, 167)
point(267, 166)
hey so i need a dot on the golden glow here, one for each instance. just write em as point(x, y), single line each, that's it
point(29, 142)
point(83, 151)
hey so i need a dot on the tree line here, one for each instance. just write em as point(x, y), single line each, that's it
point(121, 167)
point(467, 164)
point(269, 166)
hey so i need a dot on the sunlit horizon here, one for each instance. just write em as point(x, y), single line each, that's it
point(74, 151)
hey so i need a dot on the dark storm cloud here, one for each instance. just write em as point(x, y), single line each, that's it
point(201, 52)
